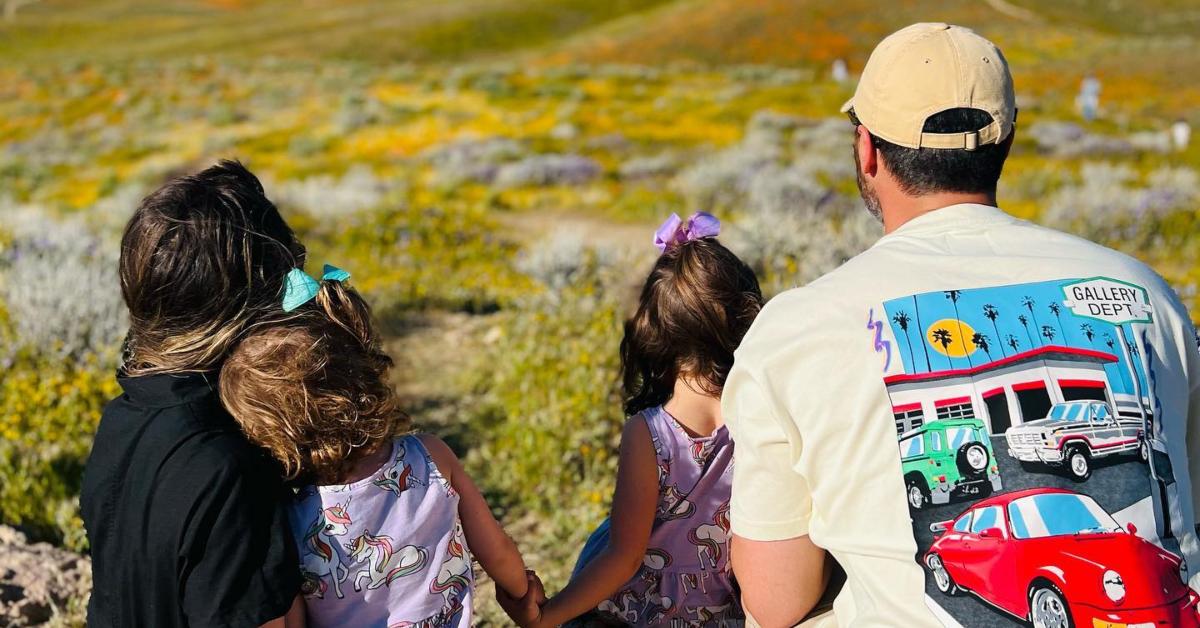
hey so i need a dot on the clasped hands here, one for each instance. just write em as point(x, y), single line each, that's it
point(525, 611)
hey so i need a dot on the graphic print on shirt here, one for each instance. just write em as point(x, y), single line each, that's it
point(383, 563)
point(1034, 469)
point(454, 577)
point(319, 559)
point(399, 477)
point(684, 579)
point(660, 605)
point(711, 539)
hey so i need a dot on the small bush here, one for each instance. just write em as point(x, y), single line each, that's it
point(328, 197)
point(471, 159)
point(547, 170)
point(59, 284)
point(48, 413)
point(1109, 202)
point(410, 257)
point(549, 416)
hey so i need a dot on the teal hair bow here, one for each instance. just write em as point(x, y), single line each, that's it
point(300, 287)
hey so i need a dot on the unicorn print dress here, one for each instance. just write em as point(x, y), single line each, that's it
point(685, 577)
point(387, 551)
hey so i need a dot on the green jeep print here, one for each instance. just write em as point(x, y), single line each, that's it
point(950, 458)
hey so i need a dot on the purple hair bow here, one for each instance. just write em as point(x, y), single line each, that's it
point(674, 231)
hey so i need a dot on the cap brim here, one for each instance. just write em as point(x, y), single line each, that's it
point(848, 106)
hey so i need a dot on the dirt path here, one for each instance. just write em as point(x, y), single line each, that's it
point(434, 349)
point(595, 230)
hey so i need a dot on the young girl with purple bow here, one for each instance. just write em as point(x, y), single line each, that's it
point(662, 557)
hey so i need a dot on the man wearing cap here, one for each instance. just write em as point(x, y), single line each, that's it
point(982, 421)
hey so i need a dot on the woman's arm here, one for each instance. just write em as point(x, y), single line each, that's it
point(495, 551)
point(634, 502)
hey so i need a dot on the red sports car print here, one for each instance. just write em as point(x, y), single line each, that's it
point(1056, 559)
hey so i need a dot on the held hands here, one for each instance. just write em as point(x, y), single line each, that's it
point(526, 611)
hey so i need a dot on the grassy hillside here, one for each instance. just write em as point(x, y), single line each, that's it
point(492, 171)
point(385, 32)
point(1144, 51)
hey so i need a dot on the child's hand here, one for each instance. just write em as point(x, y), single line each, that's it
point(526, 611)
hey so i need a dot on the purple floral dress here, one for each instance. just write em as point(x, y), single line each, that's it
point(387, 551)
point(685, 578)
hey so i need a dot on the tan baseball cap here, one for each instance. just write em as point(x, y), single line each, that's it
point(928, 68)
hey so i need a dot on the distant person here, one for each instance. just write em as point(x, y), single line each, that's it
point(983, 421)
point(387, 523)
point(1088, 99)
point(840, 72)
point(184, 516)
point(662, 558)
point(1181, 134)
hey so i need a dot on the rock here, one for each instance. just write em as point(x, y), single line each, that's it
point(38, 580)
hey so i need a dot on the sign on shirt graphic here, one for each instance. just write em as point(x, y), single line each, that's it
point(1033, 467)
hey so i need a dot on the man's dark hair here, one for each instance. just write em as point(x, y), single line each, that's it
point(203, 258)
point(928, 170)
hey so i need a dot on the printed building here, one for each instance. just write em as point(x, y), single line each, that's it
point(1009, 391)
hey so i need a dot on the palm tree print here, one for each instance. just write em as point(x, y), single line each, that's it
point(943, 337)
point(901, 318)
point(953, 296)
point(1056, 310)
point(991, 313)
point(981, 341)
point(1048, 332)
point(1088, 331)
point(1028, 302)
point(1112, 346)
point(1024, 320)
point(1013, 342)
point(924, 345)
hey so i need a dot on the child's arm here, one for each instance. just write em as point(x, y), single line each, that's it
point(295, 617)
point(634, 503)
point(494, 550)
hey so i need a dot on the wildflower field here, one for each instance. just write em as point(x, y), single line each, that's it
point(491, 173)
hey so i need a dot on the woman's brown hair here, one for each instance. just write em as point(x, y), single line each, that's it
point(203, 258)
point(313, 388)
point(695, 307)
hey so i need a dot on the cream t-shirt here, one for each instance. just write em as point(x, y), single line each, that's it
point(980, 419)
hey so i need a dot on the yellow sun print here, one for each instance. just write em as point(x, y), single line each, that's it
point(951, 337)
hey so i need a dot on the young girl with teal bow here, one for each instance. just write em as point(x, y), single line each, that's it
point(386, 524)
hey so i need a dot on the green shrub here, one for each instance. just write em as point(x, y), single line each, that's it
point(48, 413)
point(421, 257)
point(549, 420)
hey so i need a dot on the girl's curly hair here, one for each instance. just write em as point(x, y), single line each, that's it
point(313, 388)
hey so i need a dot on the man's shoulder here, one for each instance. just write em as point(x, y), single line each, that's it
point(1102, 260)
point(856, 281)
point(794, 320)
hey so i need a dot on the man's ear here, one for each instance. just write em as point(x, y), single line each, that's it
point(868, 158)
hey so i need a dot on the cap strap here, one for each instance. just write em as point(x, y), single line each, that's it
point(970, 140)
